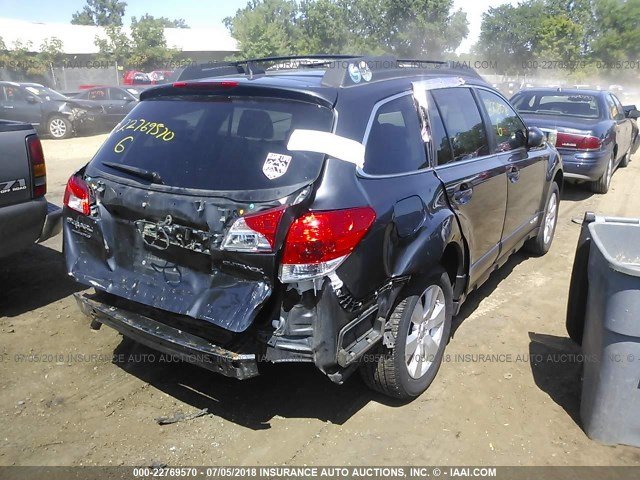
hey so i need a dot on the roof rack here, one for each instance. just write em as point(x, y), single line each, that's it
point(341, 70)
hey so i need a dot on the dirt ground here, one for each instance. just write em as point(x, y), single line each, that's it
point(493, 406)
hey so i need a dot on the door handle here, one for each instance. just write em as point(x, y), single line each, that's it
point(463, 194)
point(8, 107)
point(513, 173)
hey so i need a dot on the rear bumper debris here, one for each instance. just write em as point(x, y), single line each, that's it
point(169, 340)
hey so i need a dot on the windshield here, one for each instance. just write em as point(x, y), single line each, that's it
point(45, 93)
point(575, 105)
point(215, 143)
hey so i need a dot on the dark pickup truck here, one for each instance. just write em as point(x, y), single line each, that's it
point(25, 214)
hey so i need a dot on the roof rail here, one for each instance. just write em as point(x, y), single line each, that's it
point(341, 70)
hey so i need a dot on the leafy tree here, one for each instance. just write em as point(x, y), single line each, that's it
point(617, 33)
point(324, 28)
point(265, 28)
point(560, 39)
point(149, 46)
point(177, 23)
point(509, 34)
point(51, 52)
point(100, 12)
point(401, 27)
point(115, 48)
point(421, 28)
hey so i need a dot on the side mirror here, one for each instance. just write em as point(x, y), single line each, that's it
point(31, 99)
point(633, 113)
point(535, 137)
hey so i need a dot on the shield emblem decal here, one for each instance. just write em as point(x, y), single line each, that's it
point(276, 165)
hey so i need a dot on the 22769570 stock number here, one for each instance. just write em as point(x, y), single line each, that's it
point(174, 472)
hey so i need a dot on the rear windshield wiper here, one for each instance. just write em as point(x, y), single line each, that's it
point(138, 172)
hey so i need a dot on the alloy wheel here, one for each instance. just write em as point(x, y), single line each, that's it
point(425, 331)
point(550, 218)
point(57, 128)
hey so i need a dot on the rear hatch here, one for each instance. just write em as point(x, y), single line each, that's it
point(177, 193)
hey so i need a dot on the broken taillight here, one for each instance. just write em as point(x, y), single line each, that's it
point(255, 232)
point(577, 141)
point(38, 168)
point(77, 196)
point(318, 242)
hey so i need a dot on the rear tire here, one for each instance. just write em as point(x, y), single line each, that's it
point(602, 184)
point(541, 243)
point(422, 323)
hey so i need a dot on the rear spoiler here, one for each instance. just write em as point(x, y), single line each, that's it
point(231, 86)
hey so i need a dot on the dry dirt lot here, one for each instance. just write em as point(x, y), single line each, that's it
point(499, 411)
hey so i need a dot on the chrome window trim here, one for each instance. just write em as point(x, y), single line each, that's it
point(361, 173)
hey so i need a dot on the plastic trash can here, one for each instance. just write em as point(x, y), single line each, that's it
point(610, 404)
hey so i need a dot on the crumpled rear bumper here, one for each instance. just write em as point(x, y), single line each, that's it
point(169, 340)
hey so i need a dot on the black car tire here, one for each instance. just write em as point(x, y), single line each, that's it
point(626, 159)
point(387, 370)
point(59, 127)
point(602, 184)
point(541, 243)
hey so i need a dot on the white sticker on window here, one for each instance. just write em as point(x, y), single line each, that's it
point(276, 165)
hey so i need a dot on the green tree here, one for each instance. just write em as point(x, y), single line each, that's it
point(509, 34)
point(401, 27)
point(617, 30)
point(265, 28)
point(100, 12)
point(51, 52)
point(149, 47)
point(176, 23)
point(421, 28)
point(560, 39)
point(115, 48)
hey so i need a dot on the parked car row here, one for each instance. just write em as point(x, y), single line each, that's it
point(60, 116)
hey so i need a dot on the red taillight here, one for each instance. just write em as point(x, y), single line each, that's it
point(77, 196)
point(38, 167)
point(206, 85)
point(577, 141)
point(318, 237)
point(266, 223)
point(255, 232)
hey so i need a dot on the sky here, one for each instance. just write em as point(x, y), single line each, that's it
point(197, 13)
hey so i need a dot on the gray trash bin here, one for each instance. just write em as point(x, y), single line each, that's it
point(610, 405)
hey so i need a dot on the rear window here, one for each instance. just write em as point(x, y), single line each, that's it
point(217, 143)
point(576, 105)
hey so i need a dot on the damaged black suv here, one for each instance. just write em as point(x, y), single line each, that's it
point(334, 210)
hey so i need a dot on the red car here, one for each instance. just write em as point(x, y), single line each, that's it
point(133, 77)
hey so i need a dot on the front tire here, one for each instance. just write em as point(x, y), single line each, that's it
point(420, 326)
point(604, 182)
point(59, 127)
point(541, 243)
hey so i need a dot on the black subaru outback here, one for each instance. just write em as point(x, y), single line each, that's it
point(332, 210)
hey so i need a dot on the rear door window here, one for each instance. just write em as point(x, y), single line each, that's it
point(394, 145)
point(439, 137)
point(463, 122)
point(216, 143)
